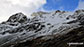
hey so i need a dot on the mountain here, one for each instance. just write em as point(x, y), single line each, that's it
point(44, 29)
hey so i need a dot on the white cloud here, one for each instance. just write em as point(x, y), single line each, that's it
point(9, 7)
point(80, 5)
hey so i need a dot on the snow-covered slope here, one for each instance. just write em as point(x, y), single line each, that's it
point(18, 28)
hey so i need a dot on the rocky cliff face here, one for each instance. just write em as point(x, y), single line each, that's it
point(45, 29)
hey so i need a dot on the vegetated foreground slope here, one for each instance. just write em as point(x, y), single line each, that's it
point(45, 29)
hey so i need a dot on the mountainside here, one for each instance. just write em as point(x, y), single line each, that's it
point(45, 29)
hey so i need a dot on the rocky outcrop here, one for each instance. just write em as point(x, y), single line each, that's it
point(53, 29)
point(19, 17)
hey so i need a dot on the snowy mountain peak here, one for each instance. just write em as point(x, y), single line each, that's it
point(18, 28)
point(18, 17)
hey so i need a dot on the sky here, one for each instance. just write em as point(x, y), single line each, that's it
point(9, 7)
point(67, 5)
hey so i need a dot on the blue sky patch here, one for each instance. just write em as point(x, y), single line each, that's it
point(67, 5)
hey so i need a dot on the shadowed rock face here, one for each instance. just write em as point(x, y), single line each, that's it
point(75, 35)
point(51, 29)
point(19, 17)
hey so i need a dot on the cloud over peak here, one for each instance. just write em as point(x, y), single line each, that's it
point(80, 5)
point(9, 7)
